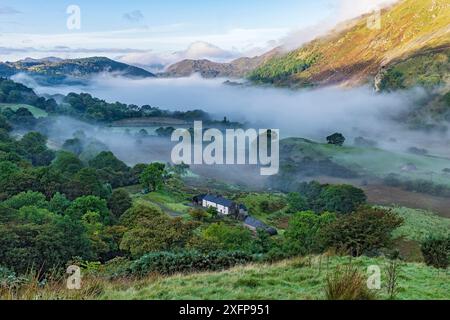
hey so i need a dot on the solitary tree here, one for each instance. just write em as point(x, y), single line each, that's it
point(153, 176)
point(337, 139)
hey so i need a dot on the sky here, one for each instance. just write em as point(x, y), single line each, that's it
point(146, 32)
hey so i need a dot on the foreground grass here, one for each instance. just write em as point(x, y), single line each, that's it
point(297, 279)
point(294, 279)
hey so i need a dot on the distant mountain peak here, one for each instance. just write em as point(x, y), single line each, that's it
point(56, 70)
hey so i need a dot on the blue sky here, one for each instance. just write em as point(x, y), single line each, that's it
point(148, 32)
point(213, 15)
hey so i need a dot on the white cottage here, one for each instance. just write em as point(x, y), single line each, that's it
point(222, 205)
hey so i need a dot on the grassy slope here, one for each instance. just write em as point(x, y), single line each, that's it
point(358, 52)
point(38, 113)
point(420, 224)
point(295, 279)
point(170, 203)
point(371, 161)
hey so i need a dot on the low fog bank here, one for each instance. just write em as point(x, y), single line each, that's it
point(132, 149)
point(126, 146)
point(308, 113)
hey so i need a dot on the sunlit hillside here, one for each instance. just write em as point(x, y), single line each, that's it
point(358, 53)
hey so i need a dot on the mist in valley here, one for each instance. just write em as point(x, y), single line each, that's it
point(307, 113)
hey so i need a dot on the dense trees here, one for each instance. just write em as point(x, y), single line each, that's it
point(89, 108)
point(67, 163)
point(152, 177)
point(119, 202)
point(304, 232)
point(55, 212)
point(319, 198)
point(107, 160)
point(73, 145)
point(13, 92)
point(88, 204)
point(363, 232)
point(35, 238)
point(150, 230)
point(82, 106)
point(341, 198)
point(4, 124)
point(87, 182)
point(35, 148)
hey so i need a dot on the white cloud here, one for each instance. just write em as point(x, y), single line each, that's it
point(8, 11)
point(343, 10)
point(165, 44)
point(155, 41)
point(348, 9)
point(200, 50)
point(134, 16)
point(197, 50)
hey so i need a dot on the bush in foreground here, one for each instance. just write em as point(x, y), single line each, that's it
point(366, 231)
point(347, 283)
point(436, 252)
point(168, 263)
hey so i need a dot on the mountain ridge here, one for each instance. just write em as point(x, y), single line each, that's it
point(237, 68)
point(355, 55)
point(351, 54)
point(56, 69)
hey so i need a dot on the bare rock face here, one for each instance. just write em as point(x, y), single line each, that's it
point(378, 79)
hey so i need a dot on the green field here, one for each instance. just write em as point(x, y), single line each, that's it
point(372, 161)
point(38, 113)
point(169, 203)
point(297, 279)
point(420, 224)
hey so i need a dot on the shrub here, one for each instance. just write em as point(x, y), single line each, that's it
point(219, 236)
point(297, 202)
point(271, 206)
point(117, 268)
point(347, 283)
point(198, 214)
point(365, 231)
point(150, 230)
point(303, 233)
point(436, 252)
point(168, 263)
point(8, 278)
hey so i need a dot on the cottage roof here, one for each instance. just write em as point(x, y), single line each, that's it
point(257, 224)
point(219, 200)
